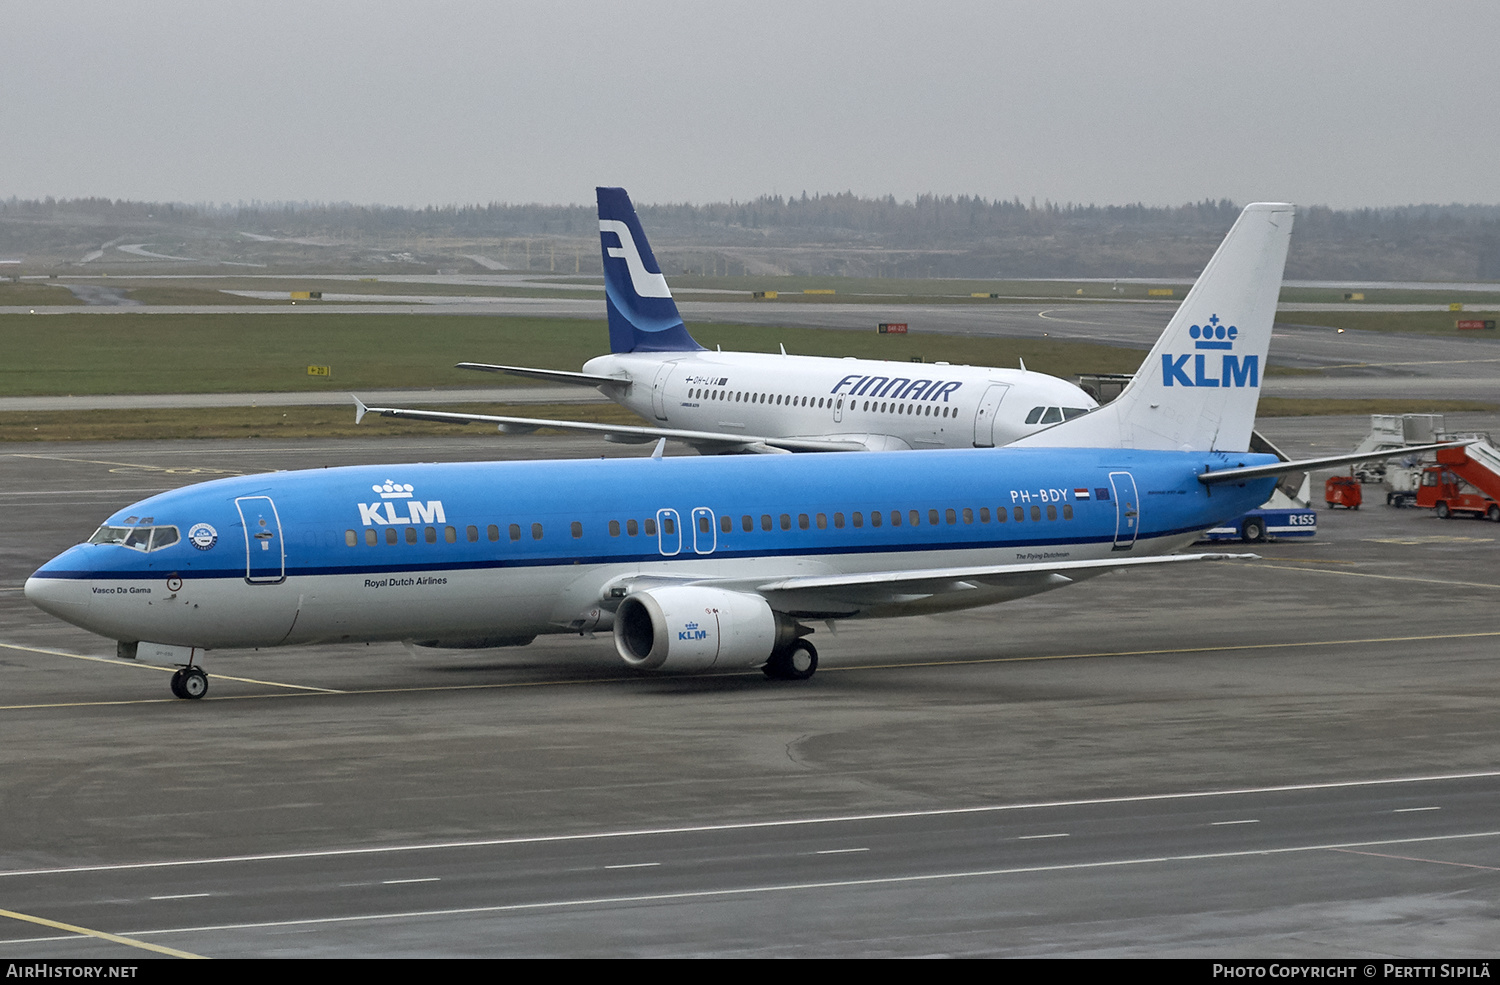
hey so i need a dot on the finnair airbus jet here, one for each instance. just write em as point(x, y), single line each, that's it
point(752, 402)
point(701, 563)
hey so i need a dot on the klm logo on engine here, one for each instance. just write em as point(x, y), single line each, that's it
point(1199, 368)
point(391, 493)
point(690, 631)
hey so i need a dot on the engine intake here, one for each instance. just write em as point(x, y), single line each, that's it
point(691, 628)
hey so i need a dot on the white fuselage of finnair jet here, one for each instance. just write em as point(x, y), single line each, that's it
point(887, 406)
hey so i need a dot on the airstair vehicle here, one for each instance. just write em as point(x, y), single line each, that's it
point(1464, 480)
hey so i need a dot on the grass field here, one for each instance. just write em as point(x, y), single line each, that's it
point(220, 353)
point(271, 422)
point(30, 292)
point(1321, 407)
point(1404, 322)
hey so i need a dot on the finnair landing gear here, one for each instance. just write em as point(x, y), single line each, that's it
point(190, 682)
point(796, 663)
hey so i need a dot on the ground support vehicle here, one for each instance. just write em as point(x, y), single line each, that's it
point(1464, 480)
point(1268, 523)
point(1343, 490)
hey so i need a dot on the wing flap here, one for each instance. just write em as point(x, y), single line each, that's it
point(938, 589)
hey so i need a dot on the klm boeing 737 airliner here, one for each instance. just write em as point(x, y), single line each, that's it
point(736, 402)
point(701, 563)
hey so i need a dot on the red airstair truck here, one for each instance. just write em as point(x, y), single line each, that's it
point(1464, 480)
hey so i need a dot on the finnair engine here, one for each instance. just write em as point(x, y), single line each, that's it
point(690, 628)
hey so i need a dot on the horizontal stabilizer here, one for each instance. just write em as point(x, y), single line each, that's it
point(551, 375)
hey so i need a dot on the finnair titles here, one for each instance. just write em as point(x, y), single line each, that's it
point(752, 402)
point(697, 563)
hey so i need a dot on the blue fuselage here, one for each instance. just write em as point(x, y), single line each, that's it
point(503, 551)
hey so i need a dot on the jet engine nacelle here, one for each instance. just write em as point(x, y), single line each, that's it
point(690, 628)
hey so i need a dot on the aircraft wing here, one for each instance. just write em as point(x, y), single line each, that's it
point(710, 442)
point(551, 375)
point(833, 596)
point(1309, 464)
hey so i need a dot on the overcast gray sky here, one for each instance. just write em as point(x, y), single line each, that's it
point(1340, 103)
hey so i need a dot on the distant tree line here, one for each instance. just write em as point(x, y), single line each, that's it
point(992, 236)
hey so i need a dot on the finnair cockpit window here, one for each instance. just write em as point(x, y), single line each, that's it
point(136, 538)
point(1054, 415)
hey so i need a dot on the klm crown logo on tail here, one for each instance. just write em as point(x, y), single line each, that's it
point(1232, 370)
point(1198, 388)
point(642, 315)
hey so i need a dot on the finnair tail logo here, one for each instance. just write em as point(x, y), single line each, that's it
point(646, 284)
point(1234, 371)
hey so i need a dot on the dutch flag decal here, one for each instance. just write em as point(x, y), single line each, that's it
point(1080, 493)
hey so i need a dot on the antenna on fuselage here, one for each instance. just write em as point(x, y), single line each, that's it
point(1023, 363)
point(661, 446)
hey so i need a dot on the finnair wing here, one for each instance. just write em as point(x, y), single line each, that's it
point(551, 375)
point(834, 596)
point(711, 442)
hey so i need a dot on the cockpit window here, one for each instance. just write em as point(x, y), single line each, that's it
point(137, 538)
point(1053, 416)
point(1071, 412)
point(1035, 415)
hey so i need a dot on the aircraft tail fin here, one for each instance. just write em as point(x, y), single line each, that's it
point(1199, 387)
point(642, 315)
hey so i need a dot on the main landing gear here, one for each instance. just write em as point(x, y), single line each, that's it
point(796, 663)
point(190, 682)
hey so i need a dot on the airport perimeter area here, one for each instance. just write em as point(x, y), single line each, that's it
point(1293, 756)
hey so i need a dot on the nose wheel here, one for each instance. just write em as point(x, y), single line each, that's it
point(190, 682)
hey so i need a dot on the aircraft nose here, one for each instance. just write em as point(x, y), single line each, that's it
point(62, 597)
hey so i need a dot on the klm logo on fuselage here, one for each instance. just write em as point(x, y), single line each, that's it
point(1198, 369)
point(896, 388)
point(384, 513)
